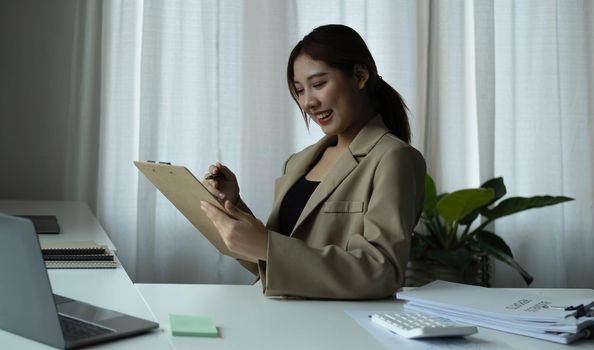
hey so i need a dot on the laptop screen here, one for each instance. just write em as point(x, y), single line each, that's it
point(27, 305)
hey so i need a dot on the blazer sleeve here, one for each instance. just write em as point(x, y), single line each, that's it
point(373, 263)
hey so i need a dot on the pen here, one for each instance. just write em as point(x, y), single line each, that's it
point(217, 176)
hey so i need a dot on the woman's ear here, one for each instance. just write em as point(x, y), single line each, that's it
point(361, 74)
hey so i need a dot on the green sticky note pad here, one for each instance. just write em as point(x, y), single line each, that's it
point(193, 326)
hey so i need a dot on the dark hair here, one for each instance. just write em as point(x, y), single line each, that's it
point(342, 48)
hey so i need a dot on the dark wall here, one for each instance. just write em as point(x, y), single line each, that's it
point(35, 62)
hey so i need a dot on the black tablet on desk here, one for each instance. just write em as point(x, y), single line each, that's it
point(44, 223)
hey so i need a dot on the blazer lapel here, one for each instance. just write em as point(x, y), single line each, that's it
point(299, 168)
point(364, 142)
point(361, 145)
point(344, 165)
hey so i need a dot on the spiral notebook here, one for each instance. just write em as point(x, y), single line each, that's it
point(77, 255)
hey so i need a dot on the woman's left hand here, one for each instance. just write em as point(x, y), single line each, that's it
point(242, 232)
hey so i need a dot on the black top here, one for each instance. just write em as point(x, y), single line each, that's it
point(293, 204)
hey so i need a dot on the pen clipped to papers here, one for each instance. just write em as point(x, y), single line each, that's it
point(579, 310)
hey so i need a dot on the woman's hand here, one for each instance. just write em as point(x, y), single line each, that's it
point(242, 232)
point(222, 183)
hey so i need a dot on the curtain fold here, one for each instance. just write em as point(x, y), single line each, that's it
point(84, 109)
point(494, 89)
point(543, 131)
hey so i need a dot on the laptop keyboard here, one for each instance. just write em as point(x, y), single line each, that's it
point(74, 329)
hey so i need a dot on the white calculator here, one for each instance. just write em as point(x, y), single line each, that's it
point(418, 325)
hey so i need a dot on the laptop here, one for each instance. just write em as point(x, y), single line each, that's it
point(29, 309)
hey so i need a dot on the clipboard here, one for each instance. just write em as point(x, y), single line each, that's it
point(185, 192)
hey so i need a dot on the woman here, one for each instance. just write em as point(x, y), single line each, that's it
point(345, 207)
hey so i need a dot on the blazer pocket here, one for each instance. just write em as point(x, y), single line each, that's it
point(343, 207)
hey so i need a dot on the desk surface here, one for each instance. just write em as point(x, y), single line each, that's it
point(248, 320)
point(108, 288)
point(245, 318)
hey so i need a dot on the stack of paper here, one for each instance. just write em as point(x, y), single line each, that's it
point(549, 318)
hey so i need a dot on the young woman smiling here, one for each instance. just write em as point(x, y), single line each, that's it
point(344, 207)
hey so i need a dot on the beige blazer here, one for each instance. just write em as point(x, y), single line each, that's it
point(352, 239)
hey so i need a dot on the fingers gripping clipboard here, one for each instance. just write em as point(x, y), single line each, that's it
point(185, 192)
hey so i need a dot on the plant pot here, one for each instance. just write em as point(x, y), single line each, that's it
point(421, 272)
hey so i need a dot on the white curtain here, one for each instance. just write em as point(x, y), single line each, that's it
point(494, 88)
point(543, 131)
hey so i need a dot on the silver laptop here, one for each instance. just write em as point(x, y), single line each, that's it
point(28, 307)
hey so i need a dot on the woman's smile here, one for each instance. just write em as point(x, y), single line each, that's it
point(331, 98)
point(323, 118)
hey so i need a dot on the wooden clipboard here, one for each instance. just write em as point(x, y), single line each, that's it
point(185, 192)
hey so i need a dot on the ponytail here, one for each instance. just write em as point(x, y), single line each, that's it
point(393, 109)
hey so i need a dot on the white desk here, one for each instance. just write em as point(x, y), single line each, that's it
point(245, 318)
point(248, 320)
point(109, 288)
point(76, 221)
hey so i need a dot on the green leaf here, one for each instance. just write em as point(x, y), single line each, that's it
point(436, 231)
point(494, 240)
point(421, 239)
point(498, 186)
point(456, 205)
point(517, 204)
point(505, 258)
point(468, 219)
point(430, 193)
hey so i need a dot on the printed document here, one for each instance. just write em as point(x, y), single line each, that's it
point(533, 315)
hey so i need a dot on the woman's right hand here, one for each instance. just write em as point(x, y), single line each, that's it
point(222, 183)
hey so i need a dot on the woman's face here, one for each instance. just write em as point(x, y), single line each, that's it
point(329, 97)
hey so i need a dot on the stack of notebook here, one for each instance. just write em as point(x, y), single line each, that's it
point(77, 255)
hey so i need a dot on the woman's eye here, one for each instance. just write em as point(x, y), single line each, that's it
point(319, 85)
point(299, 91)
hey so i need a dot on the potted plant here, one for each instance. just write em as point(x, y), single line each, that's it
point(448, 238)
